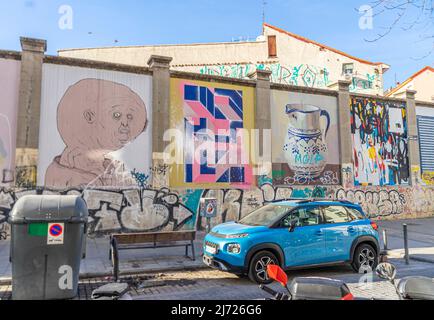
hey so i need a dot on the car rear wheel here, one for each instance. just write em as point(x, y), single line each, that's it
point(258, 267)
point(365, 258)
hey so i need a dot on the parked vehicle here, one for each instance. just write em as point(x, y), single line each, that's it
point(408, 288)
point(306, 288)
point(294, 234)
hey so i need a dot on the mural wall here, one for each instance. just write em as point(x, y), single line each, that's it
point(95, 128)
point(380, 149)
point(95, 142)
point(305, 134)
point(212, 121)
point(9, 84)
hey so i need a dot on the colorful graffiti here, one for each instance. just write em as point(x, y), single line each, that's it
point(9, 84)
point(361, 84)
point(26, 176)
point(428, 177)
point(214, 119)
point(303, 74)
point(304, 134)
point(143, 210)
point(380, 150)
point(98, 121)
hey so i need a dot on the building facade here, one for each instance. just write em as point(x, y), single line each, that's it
point(292, 60)
point(422, 82)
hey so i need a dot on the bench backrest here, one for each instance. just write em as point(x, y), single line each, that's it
point(154, 237)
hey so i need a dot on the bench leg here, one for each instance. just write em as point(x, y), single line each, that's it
point(110, 249)
point(115, 259)
point(192, 251)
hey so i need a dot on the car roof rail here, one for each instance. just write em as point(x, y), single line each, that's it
point(330, 200)
point(306, 200)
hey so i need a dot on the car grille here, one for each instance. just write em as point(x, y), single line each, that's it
point(212, 245)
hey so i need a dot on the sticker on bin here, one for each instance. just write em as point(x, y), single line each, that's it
point(55, 233)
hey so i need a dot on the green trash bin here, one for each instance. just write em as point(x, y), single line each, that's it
point(48, 242)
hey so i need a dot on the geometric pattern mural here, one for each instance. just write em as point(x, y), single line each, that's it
point(213, 151)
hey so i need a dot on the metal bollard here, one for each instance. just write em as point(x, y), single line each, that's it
point(385, 239)
point(406, 256)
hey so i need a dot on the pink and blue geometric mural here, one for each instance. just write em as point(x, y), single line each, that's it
point(214, 149)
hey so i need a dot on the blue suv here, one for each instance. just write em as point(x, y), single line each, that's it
point(294, 234)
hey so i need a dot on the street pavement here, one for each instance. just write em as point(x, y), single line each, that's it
point(167, 274)
point(208, 284)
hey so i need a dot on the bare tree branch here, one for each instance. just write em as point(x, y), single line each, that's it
point(417, 15)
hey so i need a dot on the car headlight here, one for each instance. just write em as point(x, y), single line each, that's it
point(234, 248)
point(237, 236)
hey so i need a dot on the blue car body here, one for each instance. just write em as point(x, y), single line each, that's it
point(310, 245)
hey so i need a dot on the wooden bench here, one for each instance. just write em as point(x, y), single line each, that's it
point(150, 240)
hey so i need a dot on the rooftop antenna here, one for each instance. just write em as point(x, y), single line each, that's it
point(264, 7)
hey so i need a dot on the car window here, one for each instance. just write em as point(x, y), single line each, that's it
point(337, 214)
point(308, 216)
point(355, 214)
point(266, 215)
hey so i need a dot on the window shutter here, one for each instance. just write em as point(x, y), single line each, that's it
point(425, 127)
point(272, 47)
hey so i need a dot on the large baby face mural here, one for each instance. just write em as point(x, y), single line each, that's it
point(95, 118)
point(100, 115)
point(98, 121)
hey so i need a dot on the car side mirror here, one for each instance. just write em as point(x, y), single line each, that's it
point(386, 271)
point(292, 225)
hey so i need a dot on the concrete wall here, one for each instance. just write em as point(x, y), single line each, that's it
point(163, 204)
point(298, 62)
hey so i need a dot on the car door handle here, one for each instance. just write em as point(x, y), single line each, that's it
point(319, 233)
point(351, 229)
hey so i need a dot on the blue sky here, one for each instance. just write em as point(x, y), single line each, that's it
point(135, 22)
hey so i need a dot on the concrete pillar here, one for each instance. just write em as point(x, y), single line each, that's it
point(413, 141)
point(345, 141)
point(160, 67)
point(261, 145)
point(29, 109)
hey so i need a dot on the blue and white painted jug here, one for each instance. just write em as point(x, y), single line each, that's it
point(306, 148)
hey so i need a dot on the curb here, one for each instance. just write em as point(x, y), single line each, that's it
point(5, 281)
point(128, 272)
point(420, 259)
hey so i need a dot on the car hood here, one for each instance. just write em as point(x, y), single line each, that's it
point(231, 228)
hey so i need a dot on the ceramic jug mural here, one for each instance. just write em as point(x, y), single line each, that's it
point(305, 148)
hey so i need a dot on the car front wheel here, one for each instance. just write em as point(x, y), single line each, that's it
point(258, 267)
point(365, 258)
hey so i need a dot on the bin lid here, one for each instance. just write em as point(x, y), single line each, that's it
point(46, 208)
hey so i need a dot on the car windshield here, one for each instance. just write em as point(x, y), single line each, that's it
point(266, 215)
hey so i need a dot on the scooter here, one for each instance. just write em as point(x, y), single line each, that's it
point(408, 288)
point(306, 288)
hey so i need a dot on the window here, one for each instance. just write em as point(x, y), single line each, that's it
point(266, 215)
point(339, 214)
point(348, 68)
point(336, 214)
point(355, 214)
point(309, 216)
